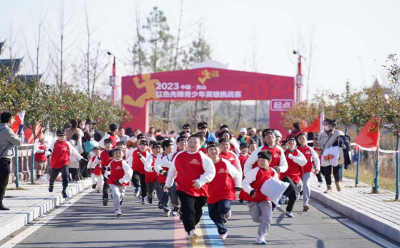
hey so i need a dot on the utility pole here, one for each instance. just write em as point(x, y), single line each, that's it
point(299, 77)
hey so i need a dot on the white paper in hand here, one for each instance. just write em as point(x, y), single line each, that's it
point(274, 188)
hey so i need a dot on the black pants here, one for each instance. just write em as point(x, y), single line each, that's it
point(291, 192)
point(192, 209)
point(106, 188)
point(64, 175)
point(4, 174)
point(74, 173)
point(216, 210)
point(327, 171)
point(140, 178)
point(319, 176)
point(82, 167)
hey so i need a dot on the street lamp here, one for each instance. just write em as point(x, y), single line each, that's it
point(113, 81)
point(299, 77)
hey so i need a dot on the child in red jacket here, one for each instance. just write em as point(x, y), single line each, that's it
point(95, 168)
point(222, 189)
point(61, 153)
point(260, 206)
point(119, 173)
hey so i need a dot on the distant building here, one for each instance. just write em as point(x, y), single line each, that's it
point(16, 66)
point(378, 84)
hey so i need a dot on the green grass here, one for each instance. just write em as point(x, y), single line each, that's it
point(368, 178)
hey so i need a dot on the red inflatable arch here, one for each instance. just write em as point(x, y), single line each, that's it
point(206, 84)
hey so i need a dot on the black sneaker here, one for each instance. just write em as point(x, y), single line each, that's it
point(175, 211)
point(241, 201)
point(105, 201)
point(51, 187)
point(160, 206)
point(64, 194)
point(94, 186)
point(150, 200)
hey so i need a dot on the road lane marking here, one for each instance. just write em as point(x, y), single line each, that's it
point(43, 220)
point(179, 234)
point(212, 231)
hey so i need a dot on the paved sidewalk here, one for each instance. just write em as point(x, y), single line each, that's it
point(376, 211)
point(27, 205)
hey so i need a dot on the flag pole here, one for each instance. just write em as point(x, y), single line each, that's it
point(375, 189)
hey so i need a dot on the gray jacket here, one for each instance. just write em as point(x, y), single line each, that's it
point(326, 140)
point(8, 140)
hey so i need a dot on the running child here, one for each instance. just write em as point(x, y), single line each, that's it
point(119, 174)
point(139, 174)
point(243, 155)
point(61, 153)
point(112, 135)
point(193, 170)
point(96, 173)
point(260, 206)
point(150, 173)
point(222, 189)
point(296, 160)
point(312, 159)
point(105, 159)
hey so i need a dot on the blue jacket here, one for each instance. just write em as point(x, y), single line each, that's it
point(210, 137)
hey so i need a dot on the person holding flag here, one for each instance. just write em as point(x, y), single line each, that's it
point(8, 140)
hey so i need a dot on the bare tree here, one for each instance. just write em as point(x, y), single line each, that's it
point(61, 50)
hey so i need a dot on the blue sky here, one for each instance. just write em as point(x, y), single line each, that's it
point(352, 38)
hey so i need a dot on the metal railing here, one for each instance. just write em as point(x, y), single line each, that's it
point(22, 165)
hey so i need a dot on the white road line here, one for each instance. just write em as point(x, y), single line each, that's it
point(43, 220)
point(354, 226)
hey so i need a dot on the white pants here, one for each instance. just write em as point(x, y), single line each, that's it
point(261, 212)
point(118, 193)
point(306, 187)
point(97, 179)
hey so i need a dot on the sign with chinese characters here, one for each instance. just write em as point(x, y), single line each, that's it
point(205, 84)
point(281, 105)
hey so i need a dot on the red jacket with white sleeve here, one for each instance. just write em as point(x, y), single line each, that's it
point(119, 170)
point(188, 167)
point(312, 158)
point(222, 187)
point(254, 180)
point(61, 153)
point(296, 161)
point(278, 158)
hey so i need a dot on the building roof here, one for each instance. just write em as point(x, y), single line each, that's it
point(15, 64)
point(28, 78)
point(378, 84)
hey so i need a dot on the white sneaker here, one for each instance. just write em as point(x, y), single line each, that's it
point(119, 214)
point(320, 184)
point(289, 214)
point(301, 197)
point(261, 240)
point(223, 236)
point(193, 237)
point(167, 214)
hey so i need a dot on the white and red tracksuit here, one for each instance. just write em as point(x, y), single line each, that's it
point(260, 206)
point(242, 159)
point(96, 175)
point(188, 167)
point(119, 171)
point(312, 159)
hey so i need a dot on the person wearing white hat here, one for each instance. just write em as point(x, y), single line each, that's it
point(243, 137)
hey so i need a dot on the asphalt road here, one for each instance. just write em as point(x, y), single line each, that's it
point(89, 224)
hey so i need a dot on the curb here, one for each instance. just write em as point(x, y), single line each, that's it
point(382, 226)
point(26, 216)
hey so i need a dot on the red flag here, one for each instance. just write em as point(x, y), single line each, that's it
point(369, 134)
point(315, 127)
point(18, 123)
